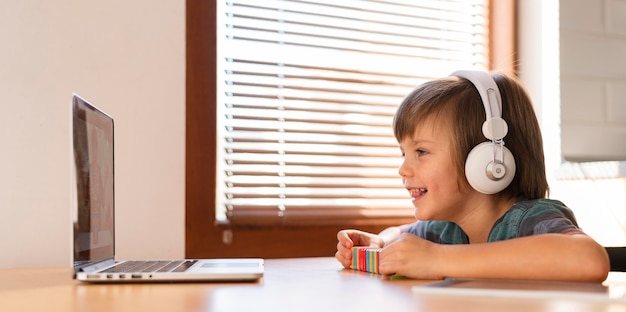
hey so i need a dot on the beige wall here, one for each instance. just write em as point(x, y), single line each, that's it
point(125, 56)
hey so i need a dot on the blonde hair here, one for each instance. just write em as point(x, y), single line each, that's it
point(455, 103)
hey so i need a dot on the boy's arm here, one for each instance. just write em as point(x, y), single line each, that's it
point(559, 257)
point(575, 257)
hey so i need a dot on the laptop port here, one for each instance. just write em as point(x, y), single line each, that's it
point(136, 276)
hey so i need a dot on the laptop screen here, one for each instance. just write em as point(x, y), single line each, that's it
point(93, 164)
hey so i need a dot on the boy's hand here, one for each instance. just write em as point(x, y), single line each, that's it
point(412, 257)
point(351, 238)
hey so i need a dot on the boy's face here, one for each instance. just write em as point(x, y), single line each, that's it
point(429, 174)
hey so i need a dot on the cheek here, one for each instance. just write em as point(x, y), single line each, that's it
point(451, 177)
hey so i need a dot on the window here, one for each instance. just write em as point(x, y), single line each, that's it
point(288, 132)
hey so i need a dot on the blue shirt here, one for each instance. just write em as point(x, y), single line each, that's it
point(525, 218)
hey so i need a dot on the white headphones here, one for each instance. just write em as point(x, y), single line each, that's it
point(489, 167)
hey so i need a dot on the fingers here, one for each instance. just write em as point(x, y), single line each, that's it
point(346, 263)
point(344, 238)
point(344, 254)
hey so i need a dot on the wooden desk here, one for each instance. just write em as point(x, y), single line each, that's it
point(306, 284)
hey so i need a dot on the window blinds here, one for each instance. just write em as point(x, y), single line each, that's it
point(306, 95)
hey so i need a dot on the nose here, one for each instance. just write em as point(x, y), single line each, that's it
point(404, 169)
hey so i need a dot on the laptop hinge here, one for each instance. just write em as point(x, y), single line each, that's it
point(95, 266)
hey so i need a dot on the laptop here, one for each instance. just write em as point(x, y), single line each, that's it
point(94, 224)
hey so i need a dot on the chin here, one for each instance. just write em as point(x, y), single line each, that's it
point(419, 216)
point(422, 215)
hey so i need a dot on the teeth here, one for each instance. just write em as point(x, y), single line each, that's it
point(418, 191)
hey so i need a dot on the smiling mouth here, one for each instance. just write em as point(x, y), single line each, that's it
point(418, 192)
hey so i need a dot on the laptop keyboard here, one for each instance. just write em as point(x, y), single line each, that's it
point(151, 266)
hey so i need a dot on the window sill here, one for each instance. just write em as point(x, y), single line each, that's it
point(591, 170)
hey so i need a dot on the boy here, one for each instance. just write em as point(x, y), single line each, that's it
point(481, 207)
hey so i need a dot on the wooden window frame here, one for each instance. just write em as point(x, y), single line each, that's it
point(204, 237)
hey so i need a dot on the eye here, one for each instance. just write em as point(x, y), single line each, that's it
point(421, 152)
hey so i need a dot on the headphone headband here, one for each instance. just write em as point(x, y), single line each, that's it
point(495, 127)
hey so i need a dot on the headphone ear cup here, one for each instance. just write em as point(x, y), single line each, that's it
point(477, 166)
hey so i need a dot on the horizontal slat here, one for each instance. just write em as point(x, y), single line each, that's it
point(255, 158)
point(301, 192)
point(303, 127)
point(255, 215)
point(313, 117)
point(313, 95)
point(326, 212)
point(304, 150)
point(315, 84)
point(309, 106)
point(370, 170)
point(374, 79)
point(362, 171)
point(326, 205)
point(312, 181)
point(359, 140)
point(342, 60)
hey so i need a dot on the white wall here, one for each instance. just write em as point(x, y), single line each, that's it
point(125, 56)
point(593, 79)
point(593, 113)
point(596, 193)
